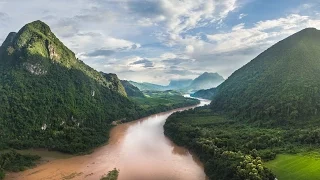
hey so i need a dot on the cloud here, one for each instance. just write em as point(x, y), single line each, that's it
point(101, 52)
point(4, 18)
point(159, 40)
point(179, 72)
point(263, 33)
point(238, 27)
point(190, 14)
point(242, 15)
point(144, 62)
point(176, 61)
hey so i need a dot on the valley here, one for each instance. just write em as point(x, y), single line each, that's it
point(160, 90)
point(131, 149)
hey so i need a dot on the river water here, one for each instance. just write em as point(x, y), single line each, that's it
point(138, 149)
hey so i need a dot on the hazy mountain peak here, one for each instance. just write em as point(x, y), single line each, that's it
point(206, 80)
point(9, 39)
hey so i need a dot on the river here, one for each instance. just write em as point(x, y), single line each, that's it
point(138, 149)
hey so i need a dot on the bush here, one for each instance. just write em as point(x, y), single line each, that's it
point(112, 175)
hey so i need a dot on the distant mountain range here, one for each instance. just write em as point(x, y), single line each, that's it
point(204, 81)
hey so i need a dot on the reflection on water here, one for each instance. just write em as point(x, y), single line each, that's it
point(139, 149)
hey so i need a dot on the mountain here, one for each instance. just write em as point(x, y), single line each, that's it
point(206, 81)
point(179, 84)
point(281, 83)
point(115, 83)
point(204, 93)
point(149, 86)
point(51, 99)
point(131, 90)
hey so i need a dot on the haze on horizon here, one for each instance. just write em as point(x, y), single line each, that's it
point(158, 40)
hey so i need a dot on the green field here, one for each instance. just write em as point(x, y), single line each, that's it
point(295, 167)
point(163, 100)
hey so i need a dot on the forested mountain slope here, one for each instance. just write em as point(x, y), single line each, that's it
point(131, 90)
point(205, 93)
point(281, 83)
point(51, 99)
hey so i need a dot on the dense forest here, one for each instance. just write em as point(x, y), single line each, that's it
point(204, 93)
point(281, 83)
point(131, 90)
point(232, 149)
point(50, 99)
point(13, 161)
point(160, 101)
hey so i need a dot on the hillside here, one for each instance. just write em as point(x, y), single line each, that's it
point(179, 84)
point(51, 99)
point(206, 81)
point(281, 83)
point(204, 93)
point(148, 86)
point(131, 90)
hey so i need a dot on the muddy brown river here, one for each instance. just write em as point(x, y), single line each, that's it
point(138, 149)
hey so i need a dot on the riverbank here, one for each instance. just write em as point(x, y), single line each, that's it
point(138, 148)
point(158, 102)
point(233, 149)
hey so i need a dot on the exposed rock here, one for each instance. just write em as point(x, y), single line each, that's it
point(34, 68)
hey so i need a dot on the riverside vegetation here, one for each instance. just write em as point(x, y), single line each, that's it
point(50, 99)
point(267, 107)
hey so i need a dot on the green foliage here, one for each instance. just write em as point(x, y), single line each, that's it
point(232, 149)
point(52, 100)
point(227, 148)
point(148, 86)
point(205, 93)
point(295, 167)
point(13, 161)
point(282, 83)
point(131, 90)
point(112, 175)
point(2, 174)
point(160, 101)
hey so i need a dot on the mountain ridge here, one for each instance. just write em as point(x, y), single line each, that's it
point(50, 99)
point(204, 81)
point(279, 83)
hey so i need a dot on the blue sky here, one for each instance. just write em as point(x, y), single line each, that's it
point(159, 40)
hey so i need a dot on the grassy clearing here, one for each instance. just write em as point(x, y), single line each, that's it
point(296, 167)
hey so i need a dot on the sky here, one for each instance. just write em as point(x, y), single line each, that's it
point(159, 40)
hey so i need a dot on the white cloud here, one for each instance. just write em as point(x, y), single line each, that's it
point(178, 36)
point(263, 33)
point(179, 16)
point(242, 15)
point(189, 49)
point(238, 27)
point(87, 42)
